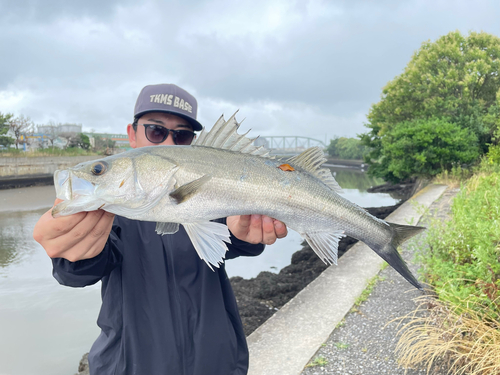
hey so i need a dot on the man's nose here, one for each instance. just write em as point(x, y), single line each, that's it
point(170, 139)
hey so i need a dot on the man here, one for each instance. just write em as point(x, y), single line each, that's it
point(163, 310)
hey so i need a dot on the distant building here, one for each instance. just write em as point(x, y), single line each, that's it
point(120, 139)
point(61, 128)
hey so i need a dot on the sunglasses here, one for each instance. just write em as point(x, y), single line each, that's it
point(158, 134)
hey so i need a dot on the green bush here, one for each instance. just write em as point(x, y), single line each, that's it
point(463, 259)
point(425, 148)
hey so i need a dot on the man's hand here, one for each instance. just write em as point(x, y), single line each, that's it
point(74, 237)
point(256, 228)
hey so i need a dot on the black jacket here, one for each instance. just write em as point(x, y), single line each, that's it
point(163, 310)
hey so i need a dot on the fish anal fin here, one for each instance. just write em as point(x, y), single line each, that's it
point(167, 228)
point(209, 240)
point(186, 191)
point(324, 244)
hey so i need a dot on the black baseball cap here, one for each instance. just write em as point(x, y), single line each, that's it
point(169, 98)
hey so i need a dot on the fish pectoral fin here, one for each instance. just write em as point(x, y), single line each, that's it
point(186, 191)
point(209, 239)
point(324, 244)
point(167, 228)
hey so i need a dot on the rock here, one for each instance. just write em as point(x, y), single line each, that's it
point(83, 367)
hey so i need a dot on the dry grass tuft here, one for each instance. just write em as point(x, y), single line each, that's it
point(437, 333)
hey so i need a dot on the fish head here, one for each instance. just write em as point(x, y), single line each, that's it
point(121, 184)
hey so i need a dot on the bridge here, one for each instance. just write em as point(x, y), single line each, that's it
point(288, 145)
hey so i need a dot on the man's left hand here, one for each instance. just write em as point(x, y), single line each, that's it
point(256, 228)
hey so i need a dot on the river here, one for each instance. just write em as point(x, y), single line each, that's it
point(44, 327)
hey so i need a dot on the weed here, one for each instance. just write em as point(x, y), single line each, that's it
point(438, 332)
point(462, 259)
point(368, 290)
point(318, 361)
point(341, 345)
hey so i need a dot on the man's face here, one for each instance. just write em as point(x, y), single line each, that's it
point(138, 138)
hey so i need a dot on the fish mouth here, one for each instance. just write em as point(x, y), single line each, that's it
point(69, 187)
point(77, 193)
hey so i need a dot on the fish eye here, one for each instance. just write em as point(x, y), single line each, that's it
point(99, 168)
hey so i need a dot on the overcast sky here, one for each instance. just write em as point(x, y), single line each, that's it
point(309, 68)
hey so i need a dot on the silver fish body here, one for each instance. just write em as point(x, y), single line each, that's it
point(191, 185)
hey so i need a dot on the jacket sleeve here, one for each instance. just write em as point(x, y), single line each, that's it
point(238, 247)
point(89, 271)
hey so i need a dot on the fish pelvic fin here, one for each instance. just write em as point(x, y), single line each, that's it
point(390, 254)
point(324, 244)
point(311, 161)
point(166, 228)
point(209, 240)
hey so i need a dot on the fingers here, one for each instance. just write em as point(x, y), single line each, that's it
point(83, 240)
point(74, 237)
point(256, 228)
point(93, 243)
point(280, 229)
point(268, 232)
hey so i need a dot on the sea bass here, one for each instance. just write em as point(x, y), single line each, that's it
point(223, 174)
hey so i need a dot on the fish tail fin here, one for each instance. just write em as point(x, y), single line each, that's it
point(390, 254)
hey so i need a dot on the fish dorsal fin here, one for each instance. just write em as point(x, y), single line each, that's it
point(224, 135)
point(311, 161)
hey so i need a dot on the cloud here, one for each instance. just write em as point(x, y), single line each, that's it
point(291, 67)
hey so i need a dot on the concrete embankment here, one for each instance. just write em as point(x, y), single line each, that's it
point(31, 171)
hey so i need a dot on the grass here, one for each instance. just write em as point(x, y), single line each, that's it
point(366, 292)
point(453, 178)
point(462, 259)
point(51, 151)
point(341, 345)
point(439, 332)
point(318, 361)
point(459, 326)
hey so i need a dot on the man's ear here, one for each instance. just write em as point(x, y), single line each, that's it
point(131, 136)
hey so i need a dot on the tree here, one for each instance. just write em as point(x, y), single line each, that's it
point(103, 144)
point(81, 141)
point(70, 138)
point(454, 78)
point(425, 148)
point(5, 140)
point(21, 126)
point(50, 132)
point(346, 148)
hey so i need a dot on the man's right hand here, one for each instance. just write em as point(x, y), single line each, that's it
point(74, 237)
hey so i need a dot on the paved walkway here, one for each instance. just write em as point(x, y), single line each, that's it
point(318, 322)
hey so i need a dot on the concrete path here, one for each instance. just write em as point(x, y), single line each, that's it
point(287, 342)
